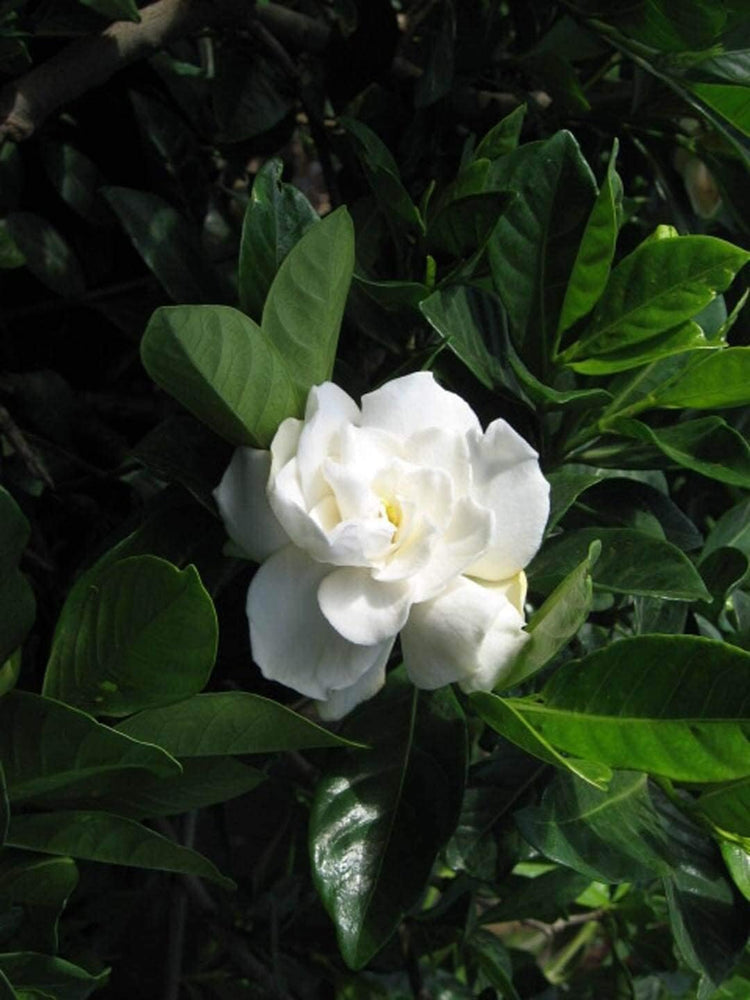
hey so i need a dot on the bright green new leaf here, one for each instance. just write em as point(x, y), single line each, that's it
point(670, 705)
point(44, 975)
point(503, 137)
point(596, 251)
point(143, 634)
point(276, 217)
point(227, 722)
point(556, 622)
point(662, 283)
point(116, 840)
point(731, 101)
point(716, 381)
point(51, 748)
point(380, 816)
point(631, 562)
point(504, 718)
point(707, 445)
point(48, 255)
point(17, 604)
point(686, 337)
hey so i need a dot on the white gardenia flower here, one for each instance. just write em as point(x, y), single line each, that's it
point(399, 517)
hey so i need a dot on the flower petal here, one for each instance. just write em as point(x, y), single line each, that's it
point(416, 402)
point(243, 505)
point(329, 409)
point(466, 537)
point(343, 701)
point(363, 610)
point(292, 642)
point(509, 482)
point(471, 633)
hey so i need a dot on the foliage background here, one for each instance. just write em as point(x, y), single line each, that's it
point(583, 833)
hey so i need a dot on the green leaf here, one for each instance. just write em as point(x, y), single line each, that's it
point(716, 381)
point(729, 100)
point(241, 379)
point(502, 715)
point(104, 837)
point(168, 243)
point(114, 10)
point(6, 990)
point(379, 817)
point(49, 747)
point(251, 92)
point(566, 485)
point(17, 604)
point(670, 705)
point(144, 634)
point(596, 251)
point(48, 256)
point(662, 283)
point(10, 254)
point(436, 80)
point(684, 337)
point(227, 722)
point(707, 445)
point(503, 137)
point(276, 217)
point(543, 897)
point(728, 806)
point(220, 366)
point(37, 879)
point(62, 980)
point(631, 562)
point(533, 248)
point(9, 672)
point(383, 176)
point(732, 529)
point(554, 624)
point(737, 860)
point(74, 176)
point(463, 226)
point(305, 304)
point(4, 806)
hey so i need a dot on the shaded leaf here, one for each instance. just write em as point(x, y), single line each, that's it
point(728, 806)
point(47, 254)
point(17, 603)
point(503, 137)
point(685, 337)
point(46, 975)
point(251, 93)
point(716, 380)
point(463, 225)
point(37, 879)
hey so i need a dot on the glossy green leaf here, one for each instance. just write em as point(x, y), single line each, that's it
point(48, 975)
point(503, 137)
point(49, 747)
point(596, 251)
point(662, 283)
point(631, 562)
point(380, 816)
point(732, 529)
point(717, 380)
point(670, 705)
point(305, 303)
point(145, 634)
point(220, 366)
point(685, 337)
point(276, 217)
point(48, 255)
point(728, 806)
point(227, 722)
point(168, 243)
point(502, 715)
point(554, 624)
point(383, 176)
point(463, 225)
point(17, 604)
point(533, 248)
point(105, 837)
point(707, 445)
point(37, 879)
point(729, 100)
point(737, 860)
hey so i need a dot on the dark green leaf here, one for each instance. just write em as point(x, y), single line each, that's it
point(686, 337)
point(167, 242)
point(732, 529)
point(596, 251)
point(114, 10)
point(707, 445)
point(566, 485)
point(145, 634)
point(116, 840)
point(533, 248)
point(670, 705)
point(664, 282)
point(10, 254)
point(231, 722)
point(556, 622)
point(36, 879)
point(631, 562)
point(48, 256)
point(4, 806)
point(9, 672)
point(74, 176)
point(503, 137)
point(379, 817)
point(47, 975)
point(437, 78)
point(6, 990)
point(503, 716)
point(49, 747)
point(728, 806)
point(251, 93)
point(17, 604)
point(393, 294)
point(494, 961)
point(276, 217)
point(544, 897)
point(463, 225)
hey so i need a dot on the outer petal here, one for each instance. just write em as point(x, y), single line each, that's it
point(469, 633)
point(509, 482)
point(361, 609)
point(343, 701)
point(243, 505)
point(328, 410)
point(414, 403)
point(292, 642)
